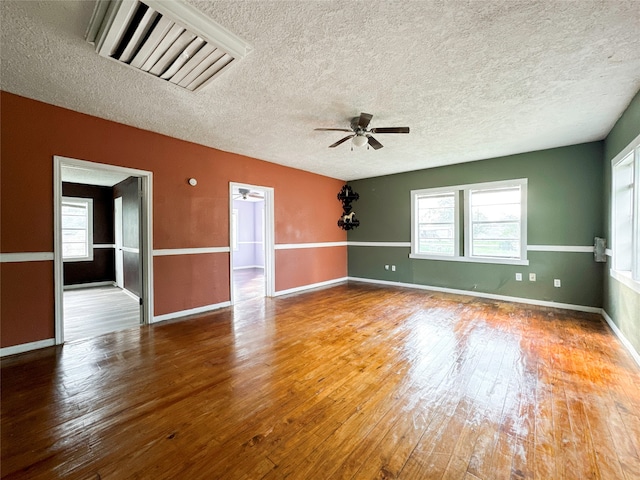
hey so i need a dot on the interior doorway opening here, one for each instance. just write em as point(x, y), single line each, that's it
point(102, 254)
point(251, 245)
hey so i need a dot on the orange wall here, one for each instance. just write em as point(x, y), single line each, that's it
point(306, 208)
point(320, 265)
point(191, 283)
point(26, 305)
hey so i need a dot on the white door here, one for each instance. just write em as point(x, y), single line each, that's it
point(117, 222)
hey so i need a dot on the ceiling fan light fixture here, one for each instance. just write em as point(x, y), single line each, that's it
point(360, 133)
point(359, 140)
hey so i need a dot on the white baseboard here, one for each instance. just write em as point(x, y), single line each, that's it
point(79, 286)
point(621, 337)
point(26, 347)
point(191, 311)
point(131, 294)
point(493, 296)
point(310, 287)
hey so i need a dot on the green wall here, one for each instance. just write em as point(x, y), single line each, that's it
point(565, 191)
point(620, 302)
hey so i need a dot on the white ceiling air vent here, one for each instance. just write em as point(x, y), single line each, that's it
point(170, 40)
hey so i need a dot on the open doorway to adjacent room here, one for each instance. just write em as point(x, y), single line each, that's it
point(251, 234)
point(100, 248)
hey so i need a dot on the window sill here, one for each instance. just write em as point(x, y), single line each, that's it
point(626, 279)
point(77, 259)
point(500, 261)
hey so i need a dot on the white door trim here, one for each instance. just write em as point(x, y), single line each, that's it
point(147, 236)
point(117, 227)
point(269, 237)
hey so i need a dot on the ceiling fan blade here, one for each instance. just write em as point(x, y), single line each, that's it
point(363, 121)
point(341, 141)
point(334, 129)
point(374, 143)
point(390, 130)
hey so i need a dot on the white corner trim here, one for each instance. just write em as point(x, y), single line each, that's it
point(380, 244)
point(79, 286)
point(189, 251)
point(104, 245)
point(310, 286)
point(293, 246)
point(246, 267)
point(26, 347)
point(493, 296)
point(130, 249)
point(190, 311)
point(26, 257)
point(632, 351)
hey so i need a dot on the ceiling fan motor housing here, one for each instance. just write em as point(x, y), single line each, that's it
point(355, 127)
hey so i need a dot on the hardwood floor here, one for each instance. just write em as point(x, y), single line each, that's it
point(248, 283)
point(350, 382)
point(89, 312)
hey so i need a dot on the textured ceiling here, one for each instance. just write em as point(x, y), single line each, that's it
point(473, 80)
point(104, 178)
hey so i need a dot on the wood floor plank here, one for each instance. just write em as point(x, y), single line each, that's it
point(89, 312)
point(349, 382)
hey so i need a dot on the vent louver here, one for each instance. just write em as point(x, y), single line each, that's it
point(170, 40)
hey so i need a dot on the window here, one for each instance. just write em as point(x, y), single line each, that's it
point(77, 229)
point(436, 225)
point(494, 216)
point(625, 226)
point(495, 222)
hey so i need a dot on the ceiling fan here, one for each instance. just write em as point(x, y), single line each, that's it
point(361, 135)
point(245, 194)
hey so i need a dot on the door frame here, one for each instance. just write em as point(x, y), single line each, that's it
point(117, 237)
point(269, 237)
point(146, 255)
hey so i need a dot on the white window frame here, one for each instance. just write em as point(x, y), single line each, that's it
point(463, 216)
point(468, 220)
point(627, 272)
point(88, 204)
point(415, 231)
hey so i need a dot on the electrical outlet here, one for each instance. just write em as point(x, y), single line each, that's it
point(532, 277)
point(393, 268)
point(557, 282)
point(518, 277)
point(386, 267)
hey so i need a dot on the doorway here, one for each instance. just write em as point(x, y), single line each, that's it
point(252, 242)
point(102, 255)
